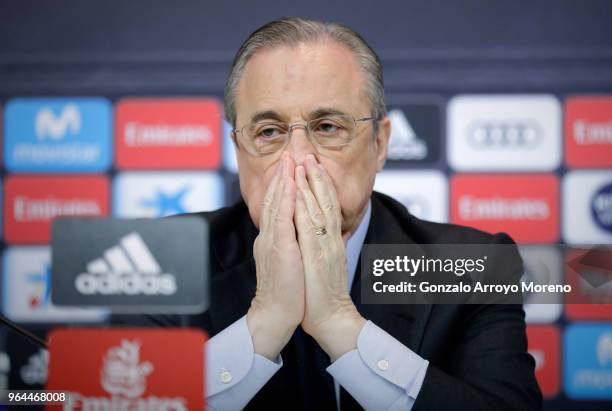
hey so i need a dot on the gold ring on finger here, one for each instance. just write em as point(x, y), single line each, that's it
point(320, 230)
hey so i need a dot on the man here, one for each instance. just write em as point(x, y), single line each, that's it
point(289, 329)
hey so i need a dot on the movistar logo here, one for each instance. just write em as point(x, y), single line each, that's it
point(57, 127)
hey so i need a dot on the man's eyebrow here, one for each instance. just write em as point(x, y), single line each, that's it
point(318, 113)
point(266, 115)
point(326, 111)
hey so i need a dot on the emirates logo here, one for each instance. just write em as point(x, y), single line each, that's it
point(123, 373)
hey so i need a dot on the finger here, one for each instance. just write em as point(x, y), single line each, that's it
point(283, 208)
point(334, 212)
point(286, 171)
point(303, 225)
point(284, 230)
point(315, 214)
point(324, 192)
point(268, 201)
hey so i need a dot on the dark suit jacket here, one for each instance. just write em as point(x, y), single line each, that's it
point(477, 354)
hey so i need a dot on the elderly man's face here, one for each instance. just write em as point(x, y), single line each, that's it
point(295, 83)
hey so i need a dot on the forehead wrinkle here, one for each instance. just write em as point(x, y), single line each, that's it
point(266, 115)
point(291, 91)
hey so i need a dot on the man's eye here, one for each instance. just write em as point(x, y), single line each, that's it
point(327, 128)
point(269, 132)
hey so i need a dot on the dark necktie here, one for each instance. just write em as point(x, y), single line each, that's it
point(318, 384)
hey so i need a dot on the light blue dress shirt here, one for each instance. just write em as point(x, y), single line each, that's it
point(380, 374)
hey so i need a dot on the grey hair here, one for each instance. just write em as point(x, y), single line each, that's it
point(292, 31)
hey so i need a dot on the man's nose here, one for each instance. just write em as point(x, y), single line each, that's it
point(299, 145)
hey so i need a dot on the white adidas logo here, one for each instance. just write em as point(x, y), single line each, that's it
point(127, 268)
point(404, 144)
point(35, 370)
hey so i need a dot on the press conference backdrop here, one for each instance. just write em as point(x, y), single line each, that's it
point(501, 114)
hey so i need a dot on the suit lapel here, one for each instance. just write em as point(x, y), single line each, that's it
point(233, 279)
point(406, 322)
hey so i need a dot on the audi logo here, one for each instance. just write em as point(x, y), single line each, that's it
point(504, 134)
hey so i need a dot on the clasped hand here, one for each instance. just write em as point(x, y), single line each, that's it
point(300, 261)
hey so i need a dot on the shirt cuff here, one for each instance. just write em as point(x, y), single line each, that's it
point(381, 373)
point(231, 363)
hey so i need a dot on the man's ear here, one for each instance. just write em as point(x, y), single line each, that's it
point(236, 149)
point(382, 142)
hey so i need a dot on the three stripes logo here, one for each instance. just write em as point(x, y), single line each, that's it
point(404, 143)
point(128, 268)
